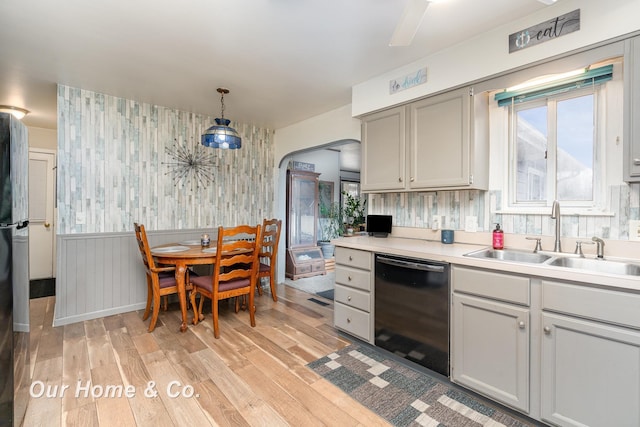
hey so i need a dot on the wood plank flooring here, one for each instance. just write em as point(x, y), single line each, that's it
point(250, 376)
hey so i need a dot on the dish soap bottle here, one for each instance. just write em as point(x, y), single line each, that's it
point(498, 238)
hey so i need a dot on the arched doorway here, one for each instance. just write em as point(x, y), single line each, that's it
point(347, 153)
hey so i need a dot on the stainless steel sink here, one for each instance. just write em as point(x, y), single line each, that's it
point(510, 255)
point(598, 265)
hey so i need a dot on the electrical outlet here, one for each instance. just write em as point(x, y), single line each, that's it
point(80, 218)
point(634, 230)
point(471, 224)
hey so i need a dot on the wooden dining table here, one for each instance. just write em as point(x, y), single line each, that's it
point(182, 255)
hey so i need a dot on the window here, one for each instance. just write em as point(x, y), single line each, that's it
point(554, 144)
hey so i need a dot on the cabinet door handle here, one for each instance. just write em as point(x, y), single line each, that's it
point(521, 324)
point(412, 179)
point(636, 162)
point(547, 330)
point(399, 179)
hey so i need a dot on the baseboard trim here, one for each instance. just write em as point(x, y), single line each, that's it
point(97, 314)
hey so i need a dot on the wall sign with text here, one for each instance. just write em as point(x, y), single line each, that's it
point(410, 80)
point(545, 31)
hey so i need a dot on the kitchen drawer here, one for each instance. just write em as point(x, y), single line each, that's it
point(352, 320)
point(353, 277)
point(484, 283)
point(353, 258)
point(606, 305)
point(353, 297)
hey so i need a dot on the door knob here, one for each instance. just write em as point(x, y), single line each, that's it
point(46, 224)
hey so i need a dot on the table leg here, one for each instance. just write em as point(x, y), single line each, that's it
point(182, 294)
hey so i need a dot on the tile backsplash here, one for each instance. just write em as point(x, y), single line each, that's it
point(452, 208)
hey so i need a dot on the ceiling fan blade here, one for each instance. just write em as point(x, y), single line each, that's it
point(409, 22)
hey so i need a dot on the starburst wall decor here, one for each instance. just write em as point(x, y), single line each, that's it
point(191, 165)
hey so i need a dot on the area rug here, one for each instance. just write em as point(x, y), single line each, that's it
point(328, 294)
point(404, 396)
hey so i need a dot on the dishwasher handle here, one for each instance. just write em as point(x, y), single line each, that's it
point(411, 265)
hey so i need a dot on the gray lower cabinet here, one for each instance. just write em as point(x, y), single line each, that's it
point(590, 365)
point(491, 349)
point(566, 353)
point(353, 307)
point(491, 335)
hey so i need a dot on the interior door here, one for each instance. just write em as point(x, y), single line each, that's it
point(41, 213)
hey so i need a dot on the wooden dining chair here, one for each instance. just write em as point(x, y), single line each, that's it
point(161, 281)
point(235, 273)
point(268, 253)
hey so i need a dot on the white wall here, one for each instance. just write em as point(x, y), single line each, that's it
point(488, 54)
point(329, 127)
point(43, 138)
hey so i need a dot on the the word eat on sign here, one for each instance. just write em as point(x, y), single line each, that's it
point(545, 31)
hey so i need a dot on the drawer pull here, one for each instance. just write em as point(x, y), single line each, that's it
point(348, 320)
point(547, 330)
point(349, 298)
point(350, 258)
point(349, 278)
point(521, 324)
point(636, 162)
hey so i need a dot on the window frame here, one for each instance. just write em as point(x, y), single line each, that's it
point(599, 160)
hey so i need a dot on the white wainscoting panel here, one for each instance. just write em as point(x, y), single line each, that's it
point(102, 274)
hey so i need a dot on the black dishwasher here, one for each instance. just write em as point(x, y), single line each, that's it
point(412, 310)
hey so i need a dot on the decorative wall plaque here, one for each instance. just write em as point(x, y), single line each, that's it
point(302, 166)
point(410, 80)
point(545, 31)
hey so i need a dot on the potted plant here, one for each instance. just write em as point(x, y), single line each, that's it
point(330, 227)
point(354, 210)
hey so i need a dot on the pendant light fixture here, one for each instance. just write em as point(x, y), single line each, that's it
point(221, 135)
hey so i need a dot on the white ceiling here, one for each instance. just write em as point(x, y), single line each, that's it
point(283, 60)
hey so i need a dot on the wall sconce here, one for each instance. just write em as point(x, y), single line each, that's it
point(16, 112)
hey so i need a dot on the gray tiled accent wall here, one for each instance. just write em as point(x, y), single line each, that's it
point(111, 173)
point(419, 209)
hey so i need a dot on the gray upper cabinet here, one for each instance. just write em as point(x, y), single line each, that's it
point(631, 165)
point(440, 142)
point(383, 150)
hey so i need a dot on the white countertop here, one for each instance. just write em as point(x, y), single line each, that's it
point(454, 254)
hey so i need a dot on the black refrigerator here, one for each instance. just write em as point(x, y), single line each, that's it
point(14, 262)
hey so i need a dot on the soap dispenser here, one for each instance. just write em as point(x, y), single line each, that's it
point(498, 238)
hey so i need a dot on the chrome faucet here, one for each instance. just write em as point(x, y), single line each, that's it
point(600, 247)
point(555, 214)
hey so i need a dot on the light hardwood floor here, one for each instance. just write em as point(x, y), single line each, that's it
point(250, 376)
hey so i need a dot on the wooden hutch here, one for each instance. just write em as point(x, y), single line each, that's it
point(304, 257)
